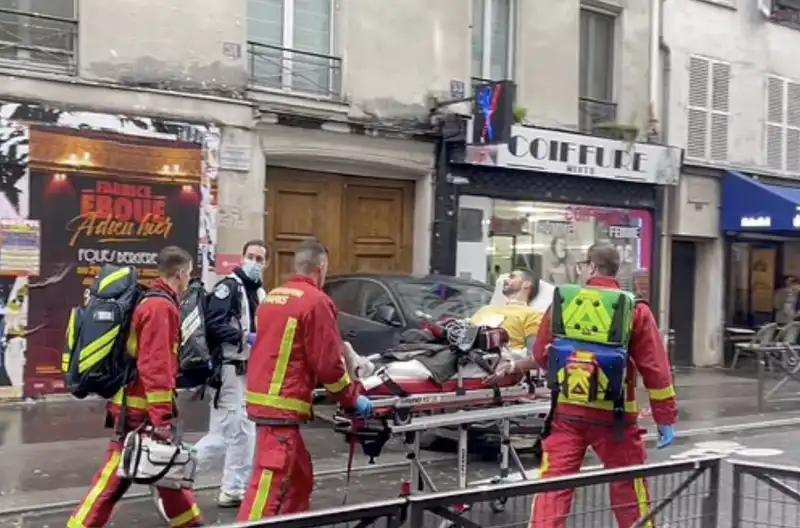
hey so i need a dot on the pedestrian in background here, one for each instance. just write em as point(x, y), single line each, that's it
point(230, 330)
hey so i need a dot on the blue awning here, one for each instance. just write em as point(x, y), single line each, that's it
point(749, 205)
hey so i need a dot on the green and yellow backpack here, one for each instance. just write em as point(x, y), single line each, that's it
point(588, 359)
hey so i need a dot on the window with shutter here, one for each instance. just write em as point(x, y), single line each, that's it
point(708, 109)
point(782, 134)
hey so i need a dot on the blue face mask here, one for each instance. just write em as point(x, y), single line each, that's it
point(252, 269)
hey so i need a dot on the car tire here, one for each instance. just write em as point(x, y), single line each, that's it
point(428, 439)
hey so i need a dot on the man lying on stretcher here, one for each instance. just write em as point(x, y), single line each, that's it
point(518, 306)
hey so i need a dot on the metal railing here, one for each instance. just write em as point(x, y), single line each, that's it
point(681, 493)
point(593, 112)
point(765, 495)
point(33, 41)
point(384, 514)
point(294, 71)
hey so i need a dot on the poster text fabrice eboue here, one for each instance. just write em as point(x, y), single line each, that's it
point(117, 218)
point(98, 189)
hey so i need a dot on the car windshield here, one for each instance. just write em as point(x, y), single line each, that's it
point(436, 300)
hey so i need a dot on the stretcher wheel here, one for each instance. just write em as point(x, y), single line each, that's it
point(498, 505)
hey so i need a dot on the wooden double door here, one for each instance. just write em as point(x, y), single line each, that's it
point(366, 223)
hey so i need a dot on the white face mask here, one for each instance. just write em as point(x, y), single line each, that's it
point(252, 269)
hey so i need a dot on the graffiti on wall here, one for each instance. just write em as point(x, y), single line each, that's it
point(105, 189)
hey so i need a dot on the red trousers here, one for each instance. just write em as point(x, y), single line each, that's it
point(564, 451)
point(282, 478)
point(107, 489)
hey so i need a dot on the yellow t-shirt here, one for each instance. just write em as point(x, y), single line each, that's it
point(518, 320)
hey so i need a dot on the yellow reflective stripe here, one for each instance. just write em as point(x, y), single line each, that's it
point(284, 353)
point(109, 470)
point(112, 278)
point(630, 406)
point(643, 501)
point(65, 362)
point(95, 351)
point(71, 329)
point(262, 494)
point(186, 517)
point(340, 385)
point(155, 398)
point(132, 343)
point(661, 394)
point(133, 402)
point(278, 402)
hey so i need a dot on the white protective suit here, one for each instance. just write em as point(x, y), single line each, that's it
point(230, 432)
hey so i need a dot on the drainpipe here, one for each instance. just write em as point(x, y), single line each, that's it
point(659, 105)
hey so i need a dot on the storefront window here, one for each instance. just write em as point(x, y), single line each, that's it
point(551, 239)
point(763, 283)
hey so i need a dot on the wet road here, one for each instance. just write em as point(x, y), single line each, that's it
point(50, 452)
point(590, 509)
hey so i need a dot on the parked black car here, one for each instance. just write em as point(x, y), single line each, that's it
point(375, 309)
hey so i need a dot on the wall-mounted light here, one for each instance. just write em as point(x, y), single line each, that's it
point(59, 177)
point(79, 160)
point(171, 170)
point(187, 188)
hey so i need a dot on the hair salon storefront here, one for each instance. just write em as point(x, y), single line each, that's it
point(542, 198)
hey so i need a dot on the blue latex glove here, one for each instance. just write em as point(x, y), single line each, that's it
point(364, 406)
point(251, 339)
point(666, 435)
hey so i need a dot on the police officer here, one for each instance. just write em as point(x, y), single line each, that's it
point(230, 329)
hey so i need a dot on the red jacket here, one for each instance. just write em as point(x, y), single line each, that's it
point(646, 355)
point(297, 348)
point(154, 339)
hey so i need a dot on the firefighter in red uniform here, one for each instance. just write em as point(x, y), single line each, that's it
point(297, 348)
point(577, 426)
point(154, 338)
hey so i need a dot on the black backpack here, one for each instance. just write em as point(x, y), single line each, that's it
point(95, 359)
point(195, 358)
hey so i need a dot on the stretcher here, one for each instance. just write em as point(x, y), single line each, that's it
point(410, 399)
point(419, 480)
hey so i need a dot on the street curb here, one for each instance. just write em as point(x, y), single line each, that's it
point(138, 495)
point(432, 460)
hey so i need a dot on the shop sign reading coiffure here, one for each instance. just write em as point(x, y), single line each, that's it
point(554, 151)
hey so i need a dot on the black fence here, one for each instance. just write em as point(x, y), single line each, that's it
point(294, 71)
point(681, 493)
point(765, 495)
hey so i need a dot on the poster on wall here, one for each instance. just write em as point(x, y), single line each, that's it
point(181, 170)
point(122, 210)
point(14, 150)
point(20, 247)
point(762, 280)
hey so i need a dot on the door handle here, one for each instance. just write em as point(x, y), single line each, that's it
point(351, 333)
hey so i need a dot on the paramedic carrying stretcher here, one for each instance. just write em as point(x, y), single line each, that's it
point(149, 398)
point(297, 348)
point(592, 342)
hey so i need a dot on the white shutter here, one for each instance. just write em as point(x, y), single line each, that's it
point(775, 131)
point(699, 75)
point(793, 128)
point(720, 101)
point(708, 109)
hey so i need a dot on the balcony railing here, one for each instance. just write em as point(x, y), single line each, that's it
point(593, 112)
point(32, 41)
point(294, 71)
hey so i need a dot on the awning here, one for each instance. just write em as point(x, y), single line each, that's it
point(749, 205)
